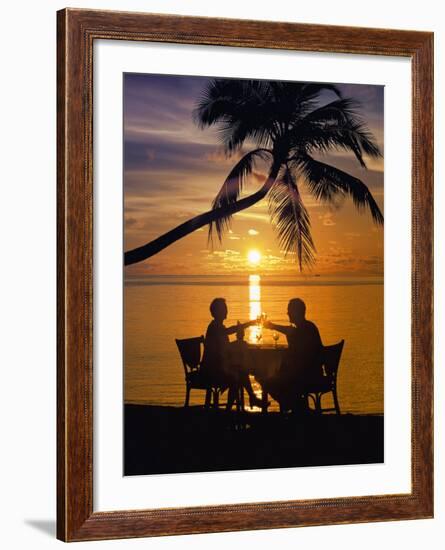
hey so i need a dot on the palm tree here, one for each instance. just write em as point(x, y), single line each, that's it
point(285, 123)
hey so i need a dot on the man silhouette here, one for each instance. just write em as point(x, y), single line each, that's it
point(301, 364)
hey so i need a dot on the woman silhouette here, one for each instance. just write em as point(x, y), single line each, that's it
point(216, 365)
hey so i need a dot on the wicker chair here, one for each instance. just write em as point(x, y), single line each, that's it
point(190, 352)
point(331, 362)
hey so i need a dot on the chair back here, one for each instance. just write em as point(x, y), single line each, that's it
point(331, 360)
point(190, 352)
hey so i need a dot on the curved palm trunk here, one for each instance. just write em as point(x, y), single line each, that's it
point(153, 247)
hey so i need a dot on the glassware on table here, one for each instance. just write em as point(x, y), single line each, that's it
point(276, 337)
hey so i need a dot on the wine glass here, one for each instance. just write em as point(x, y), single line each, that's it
point(275, 337)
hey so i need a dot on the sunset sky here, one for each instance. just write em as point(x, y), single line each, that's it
point(173, 170)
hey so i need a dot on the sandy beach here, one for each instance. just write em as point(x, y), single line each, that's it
point(178, 440)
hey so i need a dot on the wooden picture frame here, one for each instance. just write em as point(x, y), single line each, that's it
point(77, 31)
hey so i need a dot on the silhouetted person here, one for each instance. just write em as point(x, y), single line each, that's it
point(216, 365)
point(302, 363)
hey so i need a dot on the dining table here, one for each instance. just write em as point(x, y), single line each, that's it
point(265, 361)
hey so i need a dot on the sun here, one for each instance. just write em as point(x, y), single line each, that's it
point(254, 257)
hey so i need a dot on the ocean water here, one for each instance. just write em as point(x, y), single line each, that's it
point(159, 309)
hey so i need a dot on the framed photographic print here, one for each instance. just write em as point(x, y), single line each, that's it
point(244, 275)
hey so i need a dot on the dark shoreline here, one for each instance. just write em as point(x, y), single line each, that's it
point(160, 440)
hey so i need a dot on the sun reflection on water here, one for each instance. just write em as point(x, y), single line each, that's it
point(254, 333)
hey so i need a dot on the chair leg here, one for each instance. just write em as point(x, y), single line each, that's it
point(240, 400)
point(216, 399)
point(310, 398)
point(336, 403)
point(235, 399)
point(208, 398)
point(318, 403)
point(240, 418)
point(187, 396)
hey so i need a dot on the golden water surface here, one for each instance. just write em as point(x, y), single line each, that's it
point(159, 309)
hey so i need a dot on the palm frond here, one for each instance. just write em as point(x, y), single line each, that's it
point(241, 109)
point(232, 188)
point(336, 125)
point(312, 90)
point(301, 92)
point(326, 182)
point(254, 109)
point(339, 111)
point(291, 219)
point(233, 133)
point(216, 102)
point(291, 101)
